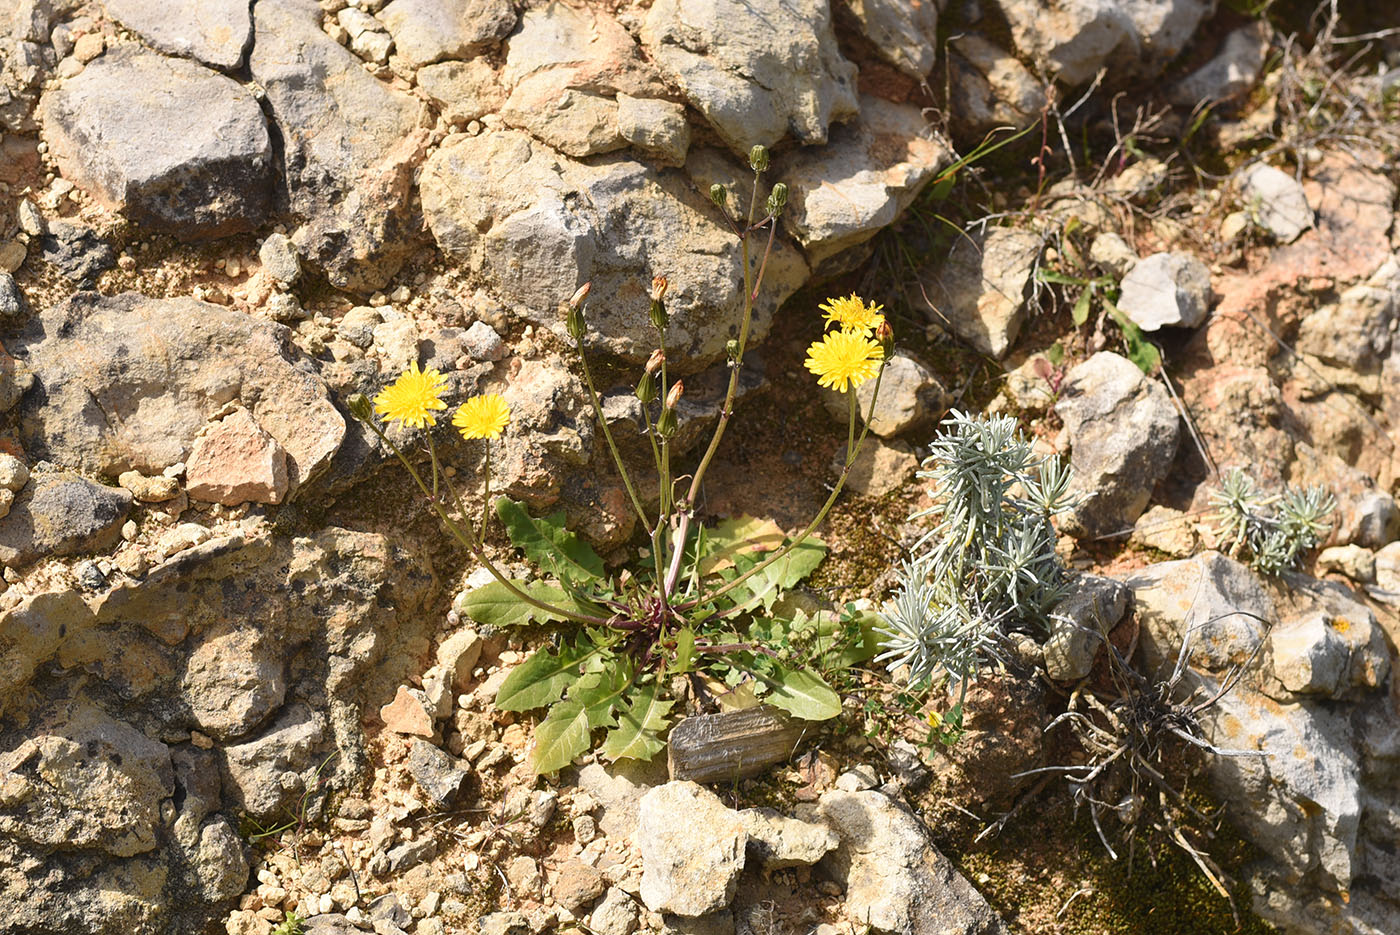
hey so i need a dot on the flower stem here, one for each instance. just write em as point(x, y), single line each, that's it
point(607, 434)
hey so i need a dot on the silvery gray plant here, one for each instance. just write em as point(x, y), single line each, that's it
point(988, 565)
point(1271, 530)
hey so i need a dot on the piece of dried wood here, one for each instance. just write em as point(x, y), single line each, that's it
point(732, 746)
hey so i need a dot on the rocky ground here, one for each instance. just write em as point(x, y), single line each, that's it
point(233, 686)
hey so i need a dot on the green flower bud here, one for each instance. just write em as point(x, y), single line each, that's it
point(777, 199)
point(666, 423)
point(758, 158)
point(659, 318)
point(574, 321)
point(718, 195)
point(646, 388)
point(731, 349)
point(360, 407)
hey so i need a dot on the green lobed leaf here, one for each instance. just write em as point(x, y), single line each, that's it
point(543, 678)
point(560, 737)
point(803, 694)
point(548, 544)
point(600, 692)
point(637, 735)
point(494, 604)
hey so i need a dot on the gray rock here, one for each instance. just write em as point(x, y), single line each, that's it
point(330, 923)
point(615, 915)
point(1114, 254)
point(1276, 201)
point(79, 254)
point(104, 379)
point(343, 131)
point(410, 854)
point(1377, 519)
point(216, 32)
point(234, 679)
point(576, 885)
point(1166, 290)
point(59, 513)
point(463, 91)
point(537, 225)
point(1355, 332)
point(692, 849)
point(437, 773)
point(503, 923)
point(85, 780)
point(757, 71)
point(481, 342)
point(1080, 623)
point(368, 37)
point(388, 908)
point(194, 160)
point(90, 577)
point(776, 842)
point(991, 86)
point(904, 34)
point(618, 789)
point(266, 776)
point(895, 880)
point(715, 923)
point(980, 291)
point(911, 398)
point(1072, 39)
point(428, 31)
point(842, 194)
point(279, 259)
point(658, 128)
point(11, 299)
point(880, 468)
point(1357, 563)
point(1232, 71)
point(1123, 431)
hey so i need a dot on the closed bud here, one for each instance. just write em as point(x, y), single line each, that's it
point(646, 388)
point(580, 294)
point(360, 407)
point(758, 158)
point(573, 319)
point(666, 423)
point(659, 317)
point(884, 335)
point(731, 349)
point(674, 396)
point(777, 199)
point(718, 195)
point(655, 361)
point(658, 288)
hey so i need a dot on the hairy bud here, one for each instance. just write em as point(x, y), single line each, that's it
point(884, 335)
point(573, 320)
point(655, 361)
point(360, 407)
point(659, 318)
point(646, 388)
point(731, 349)
point(666, 423)
point(777, 199)
point(718, 195)
point(758, 158)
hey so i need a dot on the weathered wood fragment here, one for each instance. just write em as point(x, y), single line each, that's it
point(731, 746)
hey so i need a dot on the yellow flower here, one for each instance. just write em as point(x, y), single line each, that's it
point(843, 358)
point(853, 314)
point(411, 397)
point(482, 416)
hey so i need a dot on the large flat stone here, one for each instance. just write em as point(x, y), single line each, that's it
point(427, 31)
point(175, 146)
point(216, 32)
point(59, 513)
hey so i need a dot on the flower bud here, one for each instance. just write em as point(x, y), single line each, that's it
point(646, 388)
point(674, 396)
point(580, 294)
point(659, 318)
point(655, 361)
point(777, 199)
point(758, 158)
point(718, 195)
point(884, 336)
point(573, 320)
point(731, 349)
point(666, 423)
point(360, 407)
point(658, 288)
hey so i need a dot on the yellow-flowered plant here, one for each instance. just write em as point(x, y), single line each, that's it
point(691, 608)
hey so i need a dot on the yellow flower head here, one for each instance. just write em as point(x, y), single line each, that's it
point(411, 398)
point(482, 416)
point(844, 358)
point(853, 314)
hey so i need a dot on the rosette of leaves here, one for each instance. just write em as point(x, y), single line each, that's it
point(612, 684)
point(988, 564)
point(1273, 531)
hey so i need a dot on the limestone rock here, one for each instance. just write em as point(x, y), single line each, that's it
point(279, 259)
point(60, 513)
point(777, 842)
point(979, 293)
point(1232, 71)
point(14, 474)
point(128, 381)
point(615, 915)
point(1165, 530)
point(880, 468)
point(1166, 290)
point(895, 879)
point(757, 71)
point(1079, 624)
point(463, 91)
point(253, 772)
point(1277, 202)
point(12, 303)
point(576, 885)
point(176, 146)
point(1123, 431)
point(157, 489)
point(1073, 39)
point(842, 194)
point(236, 462)
point(658, 128)
point(992, 87)
point(216, 32)
point(428, 31)
point(692, 849)
point(440, 775)
point(409, 713)
point(904, 33)
point(537, 225)
point(458, 655)
point(1355, 332)
point(911, 398)
point(234, 679)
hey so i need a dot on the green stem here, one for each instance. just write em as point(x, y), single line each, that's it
point(607, 434)
point(486, 505)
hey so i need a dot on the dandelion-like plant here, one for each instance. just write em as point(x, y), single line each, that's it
point(988, 564)
point(412, 398)
point(853, 314)
point(844, 359)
